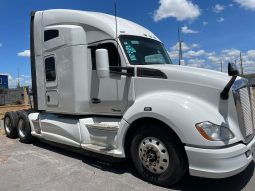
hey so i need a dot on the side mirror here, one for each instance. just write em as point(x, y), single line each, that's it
point(102, 63)
point(232, 69)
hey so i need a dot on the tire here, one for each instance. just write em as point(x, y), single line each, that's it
point(10, 124)
point(158, 155)
point(24, 128)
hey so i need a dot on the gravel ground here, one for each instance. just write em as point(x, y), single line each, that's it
point(39, 166)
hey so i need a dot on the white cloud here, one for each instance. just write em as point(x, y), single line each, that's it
point(185, 47)
point(196, 62)
point(205, 23)
point(230, 5)
point(233, 55)
point(173, 55)
point(195, 45)
point(25, 53)
point(220, 20)
point(231, 52)
point(24, 80)
point(246, 4)
point(1, 45)
point(212, 60)
point(218, 8)
point(25, 76)
point(186, 30)
point(192, 53)
point(179, 9)
point(174, 52)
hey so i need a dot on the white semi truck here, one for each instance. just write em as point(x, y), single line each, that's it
point(112, 91)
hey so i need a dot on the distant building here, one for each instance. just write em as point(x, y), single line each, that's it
point(3, 81)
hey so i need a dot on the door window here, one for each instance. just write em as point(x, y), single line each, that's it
point(50, 34)
point(114, 58)
point(50, 69)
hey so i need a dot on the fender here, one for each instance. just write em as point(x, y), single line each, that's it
point(180, 112)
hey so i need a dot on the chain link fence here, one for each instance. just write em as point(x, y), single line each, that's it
point(251, 78)
point(14, 96)
point(252, 81)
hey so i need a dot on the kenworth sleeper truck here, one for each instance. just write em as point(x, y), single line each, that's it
point(110, 89)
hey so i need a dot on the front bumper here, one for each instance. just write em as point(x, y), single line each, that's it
point(219, 163)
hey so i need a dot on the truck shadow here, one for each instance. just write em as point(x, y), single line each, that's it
point(234, 183)
point(188, 183)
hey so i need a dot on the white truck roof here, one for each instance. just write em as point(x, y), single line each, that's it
point(98, 20)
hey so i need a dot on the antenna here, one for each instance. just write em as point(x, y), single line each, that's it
point(180, 46)
point(116, 28)
point(116, 22)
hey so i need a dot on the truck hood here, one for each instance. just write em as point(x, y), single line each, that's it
point(192, 75)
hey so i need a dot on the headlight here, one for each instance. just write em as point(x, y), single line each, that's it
point(213, 132)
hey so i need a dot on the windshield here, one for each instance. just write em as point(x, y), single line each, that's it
point(144, 51)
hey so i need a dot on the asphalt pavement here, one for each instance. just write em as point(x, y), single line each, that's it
point(39, 166)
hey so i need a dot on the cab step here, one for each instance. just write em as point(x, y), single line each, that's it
point(101, 150)
point(103, 126)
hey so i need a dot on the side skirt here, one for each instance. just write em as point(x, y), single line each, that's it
point(87, 153)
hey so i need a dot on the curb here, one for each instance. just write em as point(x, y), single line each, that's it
point(1, 124)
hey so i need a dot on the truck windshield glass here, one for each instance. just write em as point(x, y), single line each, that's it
point(144, 51)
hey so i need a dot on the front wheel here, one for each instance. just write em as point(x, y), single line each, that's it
point(158, 155)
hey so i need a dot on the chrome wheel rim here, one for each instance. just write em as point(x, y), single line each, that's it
point(7, 125)
point(153, 155)
point(21, 128)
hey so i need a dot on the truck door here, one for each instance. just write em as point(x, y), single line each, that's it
point(108, 95)
point(51, 39)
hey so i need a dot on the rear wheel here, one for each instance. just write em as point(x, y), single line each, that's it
point(24, 129)
point(158, 155)
point(10, 124)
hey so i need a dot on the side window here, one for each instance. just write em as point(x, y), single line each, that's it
point(114, 58)
point(50, 70)
point(50, 34)
point(1, 81)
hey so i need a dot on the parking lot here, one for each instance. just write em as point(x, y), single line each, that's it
point(39, 166)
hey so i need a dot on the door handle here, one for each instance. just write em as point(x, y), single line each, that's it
point(95, 100)
point(48, 98)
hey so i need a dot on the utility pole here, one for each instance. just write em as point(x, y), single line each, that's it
point(18, 85)
point(180, 46)
point(241, 62)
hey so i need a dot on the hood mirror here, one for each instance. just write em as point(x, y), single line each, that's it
point(232, 69)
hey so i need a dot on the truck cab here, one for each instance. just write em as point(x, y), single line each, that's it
point(107, 85)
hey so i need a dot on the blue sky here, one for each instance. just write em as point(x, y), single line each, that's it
point(212, 30)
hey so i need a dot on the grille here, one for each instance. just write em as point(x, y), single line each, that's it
point(245, 106)
point(246, 110)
